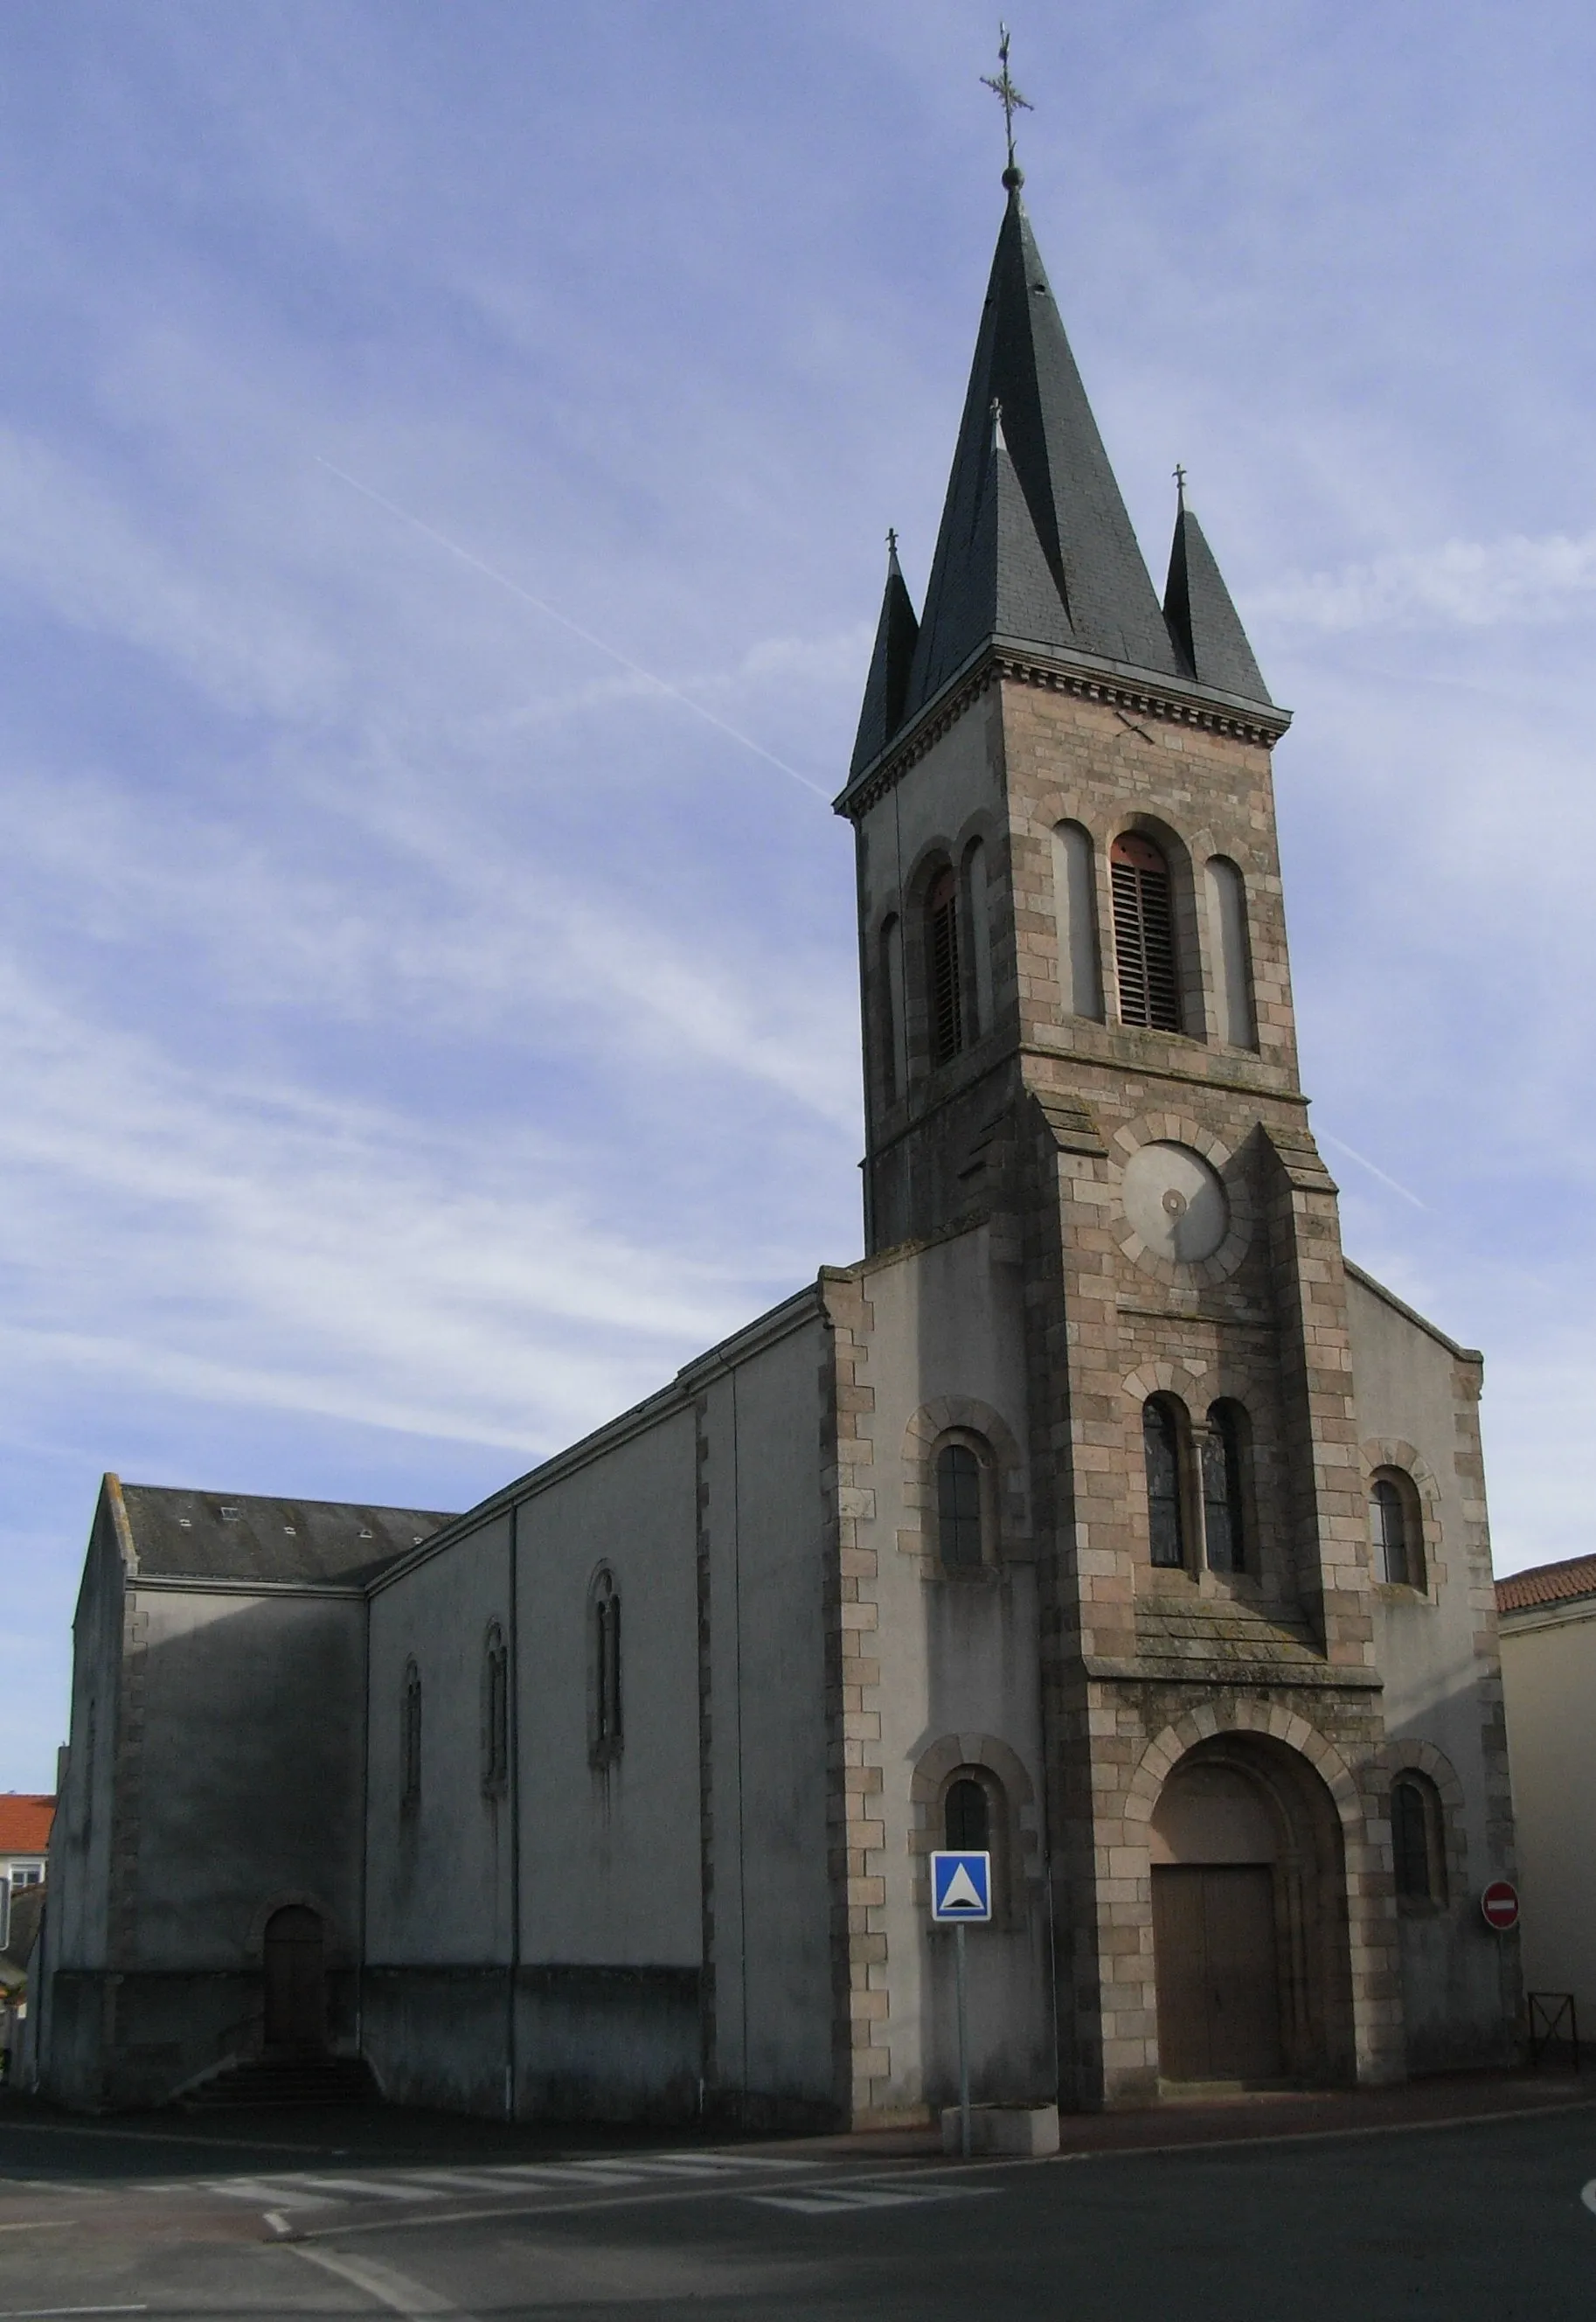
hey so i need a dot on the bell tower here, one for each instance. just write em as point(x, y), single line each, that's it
point(1079, 1031)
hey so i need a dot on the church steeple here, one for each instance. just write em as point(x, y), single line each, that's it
point(1035, 544)
point(1203, 621)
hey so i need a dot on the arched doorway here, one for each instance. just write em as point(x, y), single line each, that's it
point(1249, 1918)
point(296, 1979)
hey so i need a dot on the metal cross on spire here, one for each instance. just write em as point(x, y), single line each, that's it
point(1180, 476)
point(1003, 88)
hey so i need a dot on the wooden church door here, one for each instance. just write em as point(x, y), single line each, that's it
point(1218, 2009)
point(296, 1979)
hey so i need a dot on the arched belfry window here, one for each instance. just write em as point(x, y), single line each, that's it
point(1224, 1534)
point(496, 1713)
point(960, 1513)
point(603, 1684)
point(410, 1740)
point(1162, 1448)
point(1144, 934)
point(944, 996)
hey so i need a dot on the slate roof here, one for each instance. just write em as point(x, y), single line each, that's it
point(1036, 546)
point(1060, 563)
point(24, 1822)
point(886, 689)
point(1203, 622)
point(233, 1536)
point(1548, 1584)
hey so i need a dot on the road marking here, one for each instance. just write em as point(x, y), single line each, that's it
point(833, 2200)
point(396, 2291)
point(369, 2189)
point(43, 2313)
point(1588, 2196)
point(258, 2189)
point(35, 2225)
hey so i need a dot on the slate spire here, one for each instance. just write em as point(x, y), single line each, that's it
point(1035, 544)
point(1203, 622)
point(885, 689)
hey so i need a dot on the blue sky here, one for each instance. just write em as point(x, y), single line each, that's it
point(422, 1030)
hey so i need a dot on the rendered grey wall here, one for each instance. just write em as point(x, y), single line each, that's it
point(440, 1898)
point(1440, 1687)
point(766, 1518)
point(959, 1664)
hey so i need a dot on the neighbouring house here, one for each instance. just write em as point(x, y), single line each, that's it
point(1102, 1517)
point(1547, 1617)
point(25, 1820)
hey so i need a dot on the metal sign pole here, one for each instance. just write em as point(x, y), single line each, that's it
point(963, 2042)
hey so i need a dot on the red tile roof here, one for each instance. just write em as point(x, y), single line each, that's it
point(25, 1823)
point(1548, 1584)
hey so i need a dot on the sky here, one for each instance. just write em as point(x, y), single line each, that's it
point(445, 451)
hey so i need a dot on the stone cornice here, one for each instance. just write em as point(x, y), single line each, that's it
point(1082, 676)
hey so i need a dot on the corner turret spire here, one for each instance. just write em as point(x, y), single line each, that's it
point(886, 689)
point(1202, 620)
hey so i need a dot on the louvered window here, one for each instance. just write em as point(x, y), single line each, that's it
point(1145, 935)
point(942, 944)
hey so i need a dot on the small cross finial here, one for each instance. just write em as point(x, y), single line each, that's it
point(892, 540)
point(1002, 86)
point(1179, 483)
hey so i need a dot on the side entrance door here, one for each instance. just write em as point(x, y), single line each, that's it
point(296, 1979)
point(1218, 2007)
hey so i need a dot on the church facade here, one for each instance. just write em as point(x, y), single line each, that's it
point(1104, 1516)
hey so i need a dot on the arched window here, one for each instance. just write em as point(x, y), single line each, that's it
point(1228, 954)
point(1224, 1530)
point(894, 1049)
point(1418, 1853)
point(1166, 1513)
point(1075, 913)
point(496, 1713)
point(1143, 934)
point(966, 1817)
point(978, 920)
point(945, 998)
point(1394, 1531)
point(410, 1740)
point(605, 1679)
point(960, 1526)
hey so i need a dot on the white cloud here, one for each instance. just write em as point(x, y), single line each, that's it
point(231, 1240)
point(1463, 584)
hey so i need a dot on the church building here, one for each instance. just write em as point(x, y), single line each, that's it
point(1102, 1516)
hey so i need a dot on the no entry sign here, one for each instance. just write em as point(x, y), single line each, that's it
point(1499, 1903)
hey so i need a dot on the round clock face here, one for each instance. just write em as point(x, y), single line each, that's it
point(1176, 1203)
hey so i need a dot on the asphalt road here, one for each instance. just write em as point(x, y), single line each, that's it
point(1476, 2224)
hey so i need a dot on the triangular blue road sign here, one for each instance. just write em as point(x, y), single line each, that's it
point(960, 1886)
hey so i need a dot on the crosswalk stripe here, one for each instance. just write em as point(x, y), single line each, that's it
point(367, 2189)
point(278, 2197)
point(837, 2200)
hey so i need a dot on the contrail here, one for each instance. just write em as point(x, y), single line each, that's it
point(1365, 1163)
point(587, 636)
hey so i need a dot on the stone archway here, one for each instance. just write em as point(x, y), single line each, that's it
point(1250, 1917)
